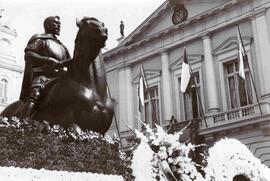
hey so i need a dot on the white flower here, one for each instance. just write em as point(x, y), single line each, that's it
point(170, 160)
point(228, 158)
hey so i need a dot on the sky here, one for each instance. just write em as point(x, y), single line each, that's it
point(27, 16)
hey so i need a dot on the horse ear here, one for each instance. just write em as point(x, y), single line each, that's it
point(78, 22)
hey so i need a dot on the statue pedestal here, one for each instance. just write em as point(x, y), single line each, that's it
point(119, 40)
point(12, 173)
point(35, 145)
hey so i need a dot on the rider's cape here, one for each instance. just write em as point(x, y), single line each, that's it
point(28, 72)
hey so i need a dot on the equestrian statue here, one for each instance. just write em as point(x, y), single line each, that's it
point(63, 90)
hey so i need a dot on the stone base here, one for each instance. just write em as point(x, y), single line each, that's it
point(12, 174)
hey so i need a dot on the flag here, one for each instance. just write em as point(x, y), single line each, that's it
point(141, 89)
point(185, 77)
point(241, 54)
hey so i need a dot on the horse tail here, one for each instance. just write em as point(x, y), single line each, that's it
point(12, 109)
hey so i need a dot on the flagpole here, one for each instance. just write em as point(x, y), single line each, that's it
point(199, 97)
point(147, 87)
point(116, 124)
point(251, 76)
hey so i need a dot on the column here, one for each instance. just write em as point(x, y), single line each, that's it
point(211, 83)
point(166, 87)
point(126, 103)
point(262, 47)
point(122, 101)
point(130, 101)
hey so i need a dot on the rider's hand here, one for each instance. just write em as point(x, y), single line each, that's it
point(55, 62)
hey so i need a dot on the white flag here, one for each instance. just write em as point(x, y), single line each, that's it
point(185, 77)
point(241, 54)
point(141, 89)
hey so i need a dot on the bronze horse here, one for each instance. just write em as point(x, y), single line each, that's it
point(80, 96)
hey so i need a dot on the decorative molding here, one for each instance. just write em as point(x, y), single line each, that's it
point(149, 74)
point(231, 44)
point(6, 40)
point(193, 59)
point(265, 127)
point(210, 13)
point(259, 12)
point(4, 56)
point(7, 30)
point(11, 67)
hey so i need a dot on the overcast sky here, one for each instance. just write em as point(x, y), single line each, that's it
point(26, 16)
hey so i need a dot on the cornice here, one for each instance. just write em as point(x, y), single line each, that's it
point(5, 56)
point(3, 104)
point(152, 18)
point(231, 43)
point(149, 74)
point(11, 67)
point(193, 59)
point(8, 31)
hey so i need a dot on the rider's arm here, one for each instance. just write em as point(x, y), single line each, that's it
point(33, 54)
point(38, 60)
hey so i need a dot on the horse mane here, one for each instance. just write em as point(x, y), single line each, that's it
point(80, 38)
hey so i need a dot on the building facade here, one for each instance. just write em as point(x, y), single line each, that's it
point(227, 104)
point(10, 70)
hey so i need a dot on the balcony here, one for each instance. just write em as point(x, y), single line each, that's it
point(234, 118)
point(217, 122)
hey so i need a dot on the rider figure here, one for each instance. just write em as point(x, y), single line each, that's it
point(44, 54)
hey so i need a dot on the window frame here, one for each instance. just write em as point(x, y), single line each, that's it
point(4, 93)
point(176, 67)
point(222, 59)
point(153, 79)
point(235, 76)
point(190, 117)
point(159, 121)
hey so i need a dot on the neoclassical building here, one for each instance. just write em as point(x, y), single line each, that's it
point(227, 103)
point(10, 70)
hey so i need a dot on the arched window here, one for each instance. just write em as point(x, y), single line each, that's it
point(3, 90)
point(4, 44)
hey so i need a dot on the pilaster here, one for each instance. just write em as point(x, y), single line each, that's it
point(129, 97)
point(262, 45)
point(211, 83)
point(166, 87)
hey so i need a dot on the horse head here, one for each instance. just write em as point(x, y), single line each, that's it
point(91, 37)
point(91, 30)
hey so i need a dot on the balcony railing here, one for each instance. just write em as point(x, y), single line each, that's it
point(235, 115)
point(198, 126)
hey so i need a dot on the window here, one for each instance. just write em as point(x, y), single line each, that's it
point(151, 105)
point(192, 99)
point(239, 91)
point(3, 90)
